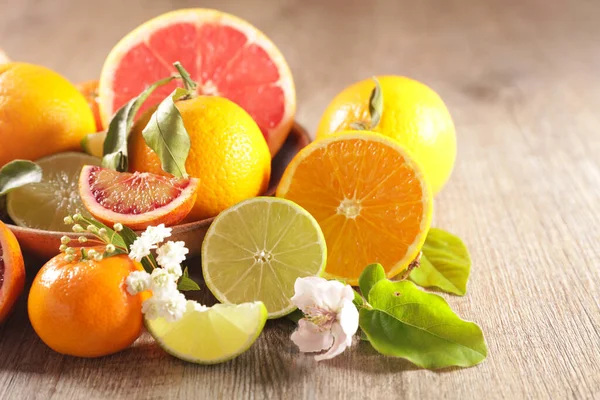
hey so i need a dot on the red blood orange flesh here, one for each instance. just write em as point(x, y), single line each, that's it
point(225, 55)
point(137, 200)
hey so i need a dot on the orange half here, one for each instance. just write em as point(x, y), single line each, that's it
point(370, 198)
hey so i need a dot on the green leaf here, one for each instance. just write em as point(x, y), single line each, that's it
point(363, 336)
point(376, 104)
point(167, 136)
point(295, 316)
point(421, 327)
point(186, 283)
point(18, 173)
point(358, 300)
point(115, 144)
point(445, 263)
point(369, 277)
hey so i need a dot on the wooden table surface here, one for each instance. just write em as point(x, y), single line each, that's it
point(522, 81)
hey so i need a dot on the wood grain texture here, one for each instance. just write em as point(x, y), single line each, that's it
point(521, 81)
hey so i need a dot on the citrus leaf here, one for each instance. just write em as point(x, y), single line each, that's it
point(115, 144)
point(420, 327)
point(445, 263)
point(167, 136)
point(369, 277)
point(358, 300)
point(295, 316)
point(376, 104)
point(186, 283)
point(18, 173)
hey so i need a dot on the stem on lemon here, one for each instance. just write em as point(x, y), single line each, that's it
point(188, 83)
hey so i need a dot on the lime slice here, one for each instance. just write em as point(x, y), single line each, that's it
point(93, 143)
point(210, 336)
point(44, 205)
point(255, 251)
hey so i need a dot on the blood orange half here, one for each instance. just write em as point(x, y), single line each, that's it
point(12, 271)
point(225, 55)
point(137, 200)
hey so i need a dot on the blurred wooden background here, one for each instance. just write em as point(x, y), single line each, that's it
point(521, 79)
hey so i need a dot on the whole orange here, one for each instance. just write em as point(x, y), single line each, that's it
point(228, 153)
point(413, 114)
point(89, 90)
point(82, 308)
point(41, 109)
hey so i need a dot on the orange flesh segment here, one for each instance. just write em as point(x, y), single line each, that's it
point(136, 193)
point(367, 199)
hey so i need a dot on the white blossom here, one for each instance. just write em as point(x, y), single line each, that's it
point(156, 234)
point(331, 319)
point(174, 270)
point(137, 281)
point(171, 254)
point(170, 308)
point(140, 248)
point(162, 283)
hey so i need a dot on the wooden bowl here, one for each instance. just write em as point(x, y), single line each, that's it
point(44, 245)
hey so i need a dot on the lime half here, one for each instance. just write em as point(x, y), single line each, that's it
point(255, 251)
point(45, 204)
point(210, 336)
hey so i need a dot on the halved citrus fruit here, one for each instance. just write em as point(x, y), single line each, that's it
point(210, 335)
point(12, 271)
point(369, 196)
point(45, 204)
point(255, 251)
point(225, 55)
point(137, 200)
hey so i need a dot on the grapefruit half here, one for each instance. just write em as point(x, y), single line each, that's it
point(137, 200)
point(225, 55)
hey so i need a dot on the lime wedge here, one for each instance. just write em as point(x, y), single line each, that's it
point(210, 336)
point(93, 143)
point(255, 251)
point(45, 204)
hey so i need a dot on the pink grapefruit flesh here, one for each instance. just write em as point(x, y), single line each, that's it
point(225, 55)
point(137, 200)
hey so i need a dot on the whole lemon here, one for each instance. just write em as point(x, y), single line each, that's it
point(82, 308)
point(228, 153)
point(413, 114)
point(41, 113)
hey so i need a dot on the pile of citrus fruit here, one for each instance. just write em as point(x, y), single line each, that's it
point(361, 193)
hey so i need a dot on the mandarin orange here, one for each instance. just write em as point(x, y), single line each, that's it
point(82, 308)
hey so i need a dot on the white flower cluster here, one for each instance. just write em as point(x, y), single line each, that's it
point(166, 301)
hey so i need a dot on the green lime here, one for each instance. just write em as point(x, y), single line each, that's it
point(93, 143)
point(45, 204)
point(210, 336)
point(255, 251)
